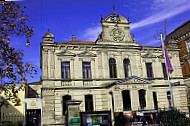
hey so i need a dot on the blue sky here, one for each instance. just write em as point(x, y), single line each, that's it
point(65, 18)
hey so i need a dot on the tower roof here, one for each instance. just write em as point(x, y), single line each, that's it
point(115, 18)
point(48, 35)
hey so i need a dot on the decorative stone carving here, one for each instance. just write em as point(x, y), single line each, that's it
point(149, 55)
point(117, 34)
point(135, 79)
point(45, 49)
point(86, 54)
point(161, 58)
point(65, 53)
point(130, 80)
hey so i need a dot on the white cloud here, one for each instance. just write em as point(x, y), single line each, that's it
point(162, 10)
point(91, 33)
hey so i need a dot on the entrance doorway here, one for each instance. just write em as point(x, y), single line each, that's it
point(33, 117)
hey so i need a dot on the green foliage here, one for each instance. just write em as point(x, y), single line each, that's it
point(173, 118)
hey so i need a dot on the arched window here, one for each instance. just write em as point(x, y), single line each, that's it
point(112, 65)
point(155, 100)
point(126, 100)
point(169, 98)
point(142, 98)
point(88, 103)
point(126, 64)
point(65, 98)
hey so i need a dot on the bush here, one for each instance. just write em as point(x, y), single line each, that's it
point(173, 118)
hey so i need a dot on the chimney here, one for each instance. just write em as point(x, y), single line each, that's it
point(73, 38)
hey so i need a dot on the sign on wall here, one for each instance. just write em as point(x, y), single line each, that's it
point(33, 103)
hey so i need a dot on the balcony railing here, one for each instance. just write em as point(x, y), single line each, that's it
point(87, 83)
point(66, 83)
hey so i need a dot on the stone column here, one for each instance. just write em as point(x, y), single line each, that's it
point(44, 63)
point(118, 104)
point(105, 64)
point(134, 99)
point(93, 73)
point(72, 68)
point(99, 68)
point(149, 100)
point(119, 66)
point(78, 68)
point(52, 64)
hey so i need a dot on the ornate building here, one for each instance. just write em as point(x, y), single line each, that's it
point(111, 75)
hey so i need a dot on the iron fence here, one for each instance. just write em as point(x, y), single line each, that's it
point(12, 119)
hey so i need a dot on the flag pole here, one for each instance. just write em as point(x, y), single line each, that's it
point(171, 92)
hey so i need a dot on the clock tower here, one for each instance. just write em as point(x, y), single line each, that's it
point(115, 31)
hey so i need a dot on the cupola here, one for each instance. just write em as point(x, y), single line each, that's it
point(48, 37)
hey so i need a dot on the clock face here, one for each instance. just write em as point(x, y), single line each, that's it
point(117, 35)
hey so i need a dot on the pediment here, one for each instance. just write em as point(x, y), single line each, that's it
point(148, 55)
point(65, 53)
point(135, 80)
point(162, 56)
point(86, 54)
point(130, 80)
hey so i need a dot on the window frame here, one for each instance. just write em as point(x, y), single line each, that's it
point(164, 70)
point(149, 70)
point(155, 99)
point(142, 98)
point(187, 43)
point(90, 106)
point(65, 70)
point(127, 67)
point(126, 100)
point(113, 68)
point(87, 73)
point(169, 98)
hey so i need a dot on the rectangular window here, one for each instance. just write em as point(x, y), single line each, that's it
point(155, 100)
point(169, 98)
point(142, 99)
point(149, 70)
point(88, 103)
point(65, 69)
point(86, 70)
point(164, 70)
point(126, 100)
point(188, 45)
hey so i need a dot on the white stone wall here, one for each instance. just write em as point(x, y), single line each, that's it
point(99, 57)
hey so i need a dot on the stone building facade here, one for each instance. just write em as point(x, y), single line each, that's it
point(113, 74)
